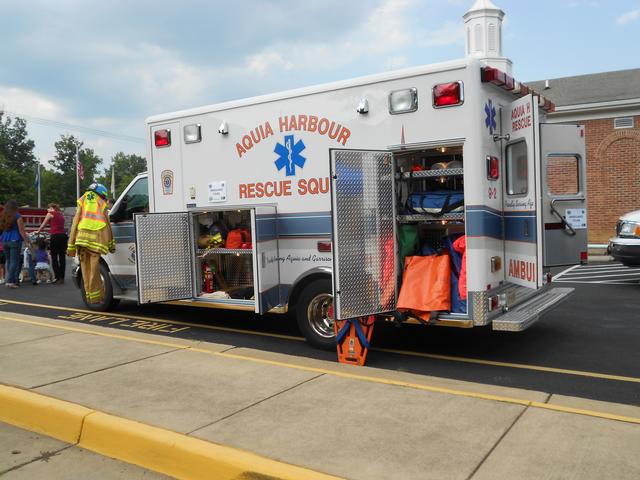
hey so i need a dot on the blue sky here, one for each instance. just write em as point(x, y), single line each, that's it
point(108, 65)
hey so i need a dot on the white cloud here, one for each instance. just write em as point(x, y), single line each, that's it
point(26, 102)
point(450, 33)
point(396, 62)
point(260, 63)
point(629, 17)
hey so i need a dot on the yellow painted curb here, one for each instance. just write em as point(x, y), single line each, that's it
point(153, 448)
point(38, 413)
point(179, 455)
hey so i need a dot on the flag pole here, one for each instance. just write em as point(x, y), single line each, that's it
point(77, 171)
point(113, 181)
point(39, 182)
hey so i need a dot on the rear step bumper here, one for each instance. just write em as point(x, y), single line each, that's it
point(523, 316)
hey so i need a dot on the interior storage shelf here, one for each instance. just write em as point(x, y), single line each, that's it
point(425, 217)
point(420, 174)
point(203, 252)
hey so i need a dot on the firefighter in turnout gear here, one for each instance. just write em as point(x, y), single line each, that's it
point(91, 237)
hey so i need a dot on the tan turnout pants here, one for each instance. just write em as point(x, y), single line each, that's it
point(90, 265)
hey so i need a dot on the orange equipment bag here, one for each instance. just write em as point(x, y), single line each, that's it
point(239, 238)
point(425, 285)
point(352, 339)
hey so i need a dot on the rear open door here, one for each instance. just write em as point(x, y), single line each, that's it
point(165, 256)
point(364, 260)
point(564, 204)
point(521, 199)
point(266, 269)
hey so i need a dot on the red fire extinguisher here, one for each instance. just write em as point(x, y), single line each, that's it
point(207, 275)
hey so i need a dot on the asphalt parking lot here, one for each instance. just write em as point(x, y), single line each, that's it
point(586, 347)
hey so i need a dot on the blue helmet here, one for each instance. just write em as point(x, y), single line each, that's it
point(99, 189)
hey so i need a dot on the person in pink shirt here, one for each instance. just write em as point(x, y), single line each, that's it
point(58, 240)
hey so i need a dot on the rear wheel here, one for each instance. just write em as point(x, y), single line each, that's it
point(313, 314)
point(108, 302)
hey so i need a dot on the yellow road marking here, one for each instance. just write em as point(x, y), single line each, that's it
point(335, 373)
point(152, 319)
point(478, 361)
point(523, 366)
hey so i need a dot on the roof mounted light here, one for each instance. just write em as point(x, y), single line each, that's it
point(162, 138)
point(448, 94)
point(403, 101)
point(192, 133)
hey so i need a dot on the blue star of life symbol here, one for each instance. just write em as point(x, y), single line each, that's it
point(289, 155)
point(490, 120)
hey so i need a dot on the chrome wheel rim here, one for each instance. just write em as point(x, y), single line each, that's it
point(318, 315)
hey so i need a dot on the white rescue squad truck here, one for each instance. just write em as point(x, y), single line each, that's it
point(322, 181)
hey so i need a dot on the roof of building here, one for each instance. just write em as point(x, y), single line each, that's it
point(593, 88)
point(482, 5)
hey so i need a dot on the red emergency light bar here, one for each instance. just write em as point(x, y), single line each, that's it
point(501, 79)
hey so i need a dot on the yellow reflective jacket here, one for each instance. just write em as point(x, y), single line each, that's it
point(91, 228)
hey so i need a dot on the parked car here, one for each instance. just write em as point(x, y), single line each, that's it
point(625, 247)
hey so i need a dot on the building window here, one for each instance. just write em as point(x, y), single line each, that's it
point(492, 38)
point(478, 38)
point(517, 171)
point(623, 122)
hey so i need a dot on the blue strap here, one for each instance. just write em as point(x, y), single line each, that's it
point(345, 328)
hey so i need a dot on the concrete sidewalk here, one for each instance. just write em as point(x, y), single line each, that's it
point(26, 455)
point(351, 422)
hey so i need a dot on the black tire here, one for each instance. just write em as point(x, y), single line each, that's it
point(311, 314)
point(108, 302)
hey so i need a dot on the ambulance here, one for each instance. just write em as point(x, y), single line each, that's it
point(301, 201)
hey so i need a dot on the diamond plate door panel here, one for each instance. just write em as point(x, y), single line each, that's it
point(364, 260)
point(164, 251)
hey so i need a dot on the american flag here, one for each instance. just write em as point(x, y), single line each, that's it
point(80, 168)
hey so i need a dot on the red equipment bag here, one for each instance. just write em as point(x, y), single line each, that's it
point(239, 238)
point(425, 285)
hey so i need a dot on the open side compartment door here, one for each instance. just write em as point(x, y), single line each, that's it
point(364, 241)
point(165, 256)
point(266, 271)
point(521, 196)
point(564, 196)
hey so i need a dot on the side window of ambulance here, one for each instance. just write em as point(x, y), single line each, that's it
point(563, 175)
point(136, 200)
point(516, 169)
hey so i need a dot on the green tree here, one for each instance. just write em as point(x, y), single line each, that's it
point(50, 187)
point(126, 168)
point(65, 163)
point(17, 161)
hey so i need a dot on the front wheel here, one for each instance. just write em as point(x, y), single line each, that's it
point(108, 302)
point(313, 314)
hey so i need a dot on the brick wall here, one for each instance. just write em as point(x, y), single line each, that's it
point(613, 175)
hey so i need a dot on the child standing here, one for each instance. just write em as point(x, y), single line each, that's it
point(43, 270)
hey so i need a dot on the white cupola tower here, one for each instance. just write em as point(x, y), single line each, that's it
point(483, 31)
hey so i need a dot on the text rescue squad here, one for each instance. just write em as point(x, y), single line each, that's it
point(283, 188)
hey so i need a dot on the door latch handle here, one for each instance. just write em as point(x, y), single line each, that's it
point(568, 229)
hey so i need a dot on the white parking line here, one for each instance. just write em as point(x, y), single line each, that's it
point(564, 272)
point(609, 273)
point(604, 273)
